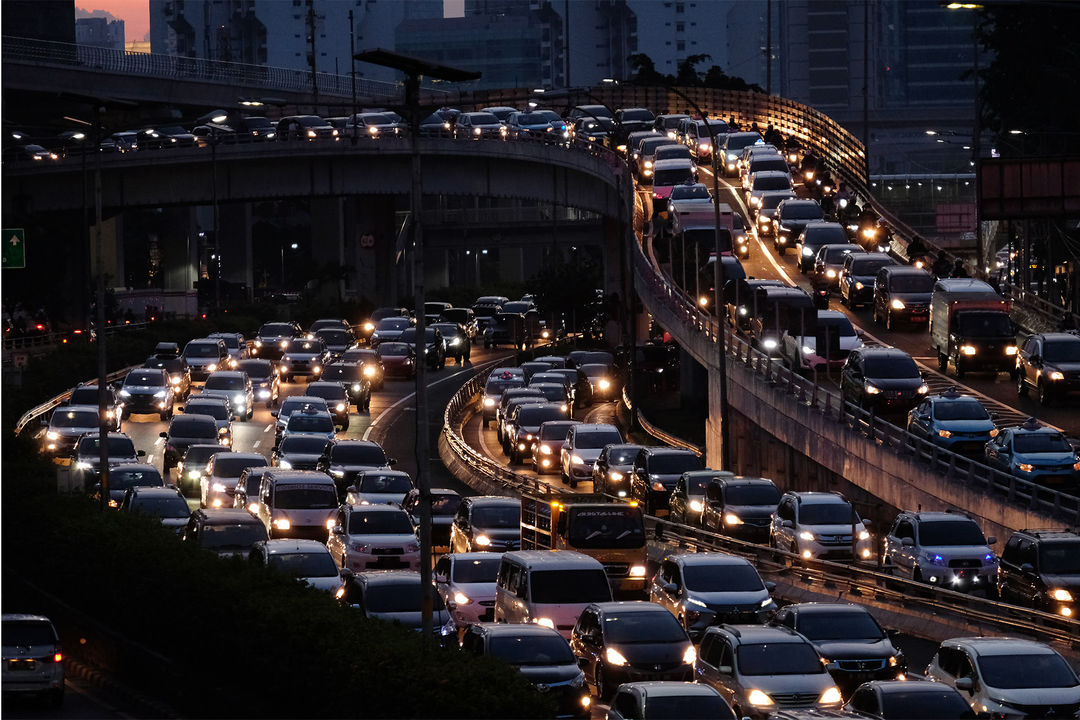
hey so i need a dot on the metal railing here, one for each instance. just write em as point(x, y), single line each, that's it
point(58, 400)
point(659, 433)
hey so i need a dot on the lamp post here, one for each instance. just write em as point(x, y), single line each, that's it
point(217, 117)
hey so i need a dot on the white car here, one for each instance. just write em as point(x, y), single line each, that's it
point(374, 537)
point(1008, 677)
point(818, 526)
point(307, 560)
point(33, 660)
point(379, 487)
point(466, 583)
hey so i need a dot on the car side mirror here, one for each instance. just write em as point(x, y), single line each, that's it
point(787, 523)
point(43, 421)
point(1035, 360)
point(180, 408)
point(140, 453)
point(907, 542)
point(273, 413)
point(965, 683)
point(724, 669)
point(770, 586)
point(832, 666)
point(441, 579)
point(338, 530)
point(671, 588)
point(163, 434)
point(345, 574)
point(992, 540)
point(391, 461)
point(1027, 568)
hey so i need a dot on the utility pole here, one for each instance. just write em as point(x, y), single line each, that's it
point(768, 47)
point(866, 87)
point(311, 37)
point(352, 54)
point(103, 373)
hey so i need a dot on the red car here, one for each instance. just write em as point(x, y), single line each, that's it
point(548, 445)
point(398, 359)
point(666, 175)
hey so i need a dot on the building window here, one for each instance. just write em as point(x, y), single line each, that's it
point(680, 7)
point(680, 46)
point(680, 27)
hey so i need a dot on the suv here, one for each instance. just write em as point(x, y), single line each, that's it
point(902, 293)
point(1008, 677)
point(582, 447)
point(204, 356)
point(883, 379)
point(273, 338)
point(1049, 363)
point(235, 387)
point(858, 275)
point(791, 218)
point(434, 345)
point(148, 391)
point(88, 395)
point(226, 531)
point(760, 669)
point(953, 421)
point(179, 373)
point(940, 548)
point(818, 526)
point(1041, 569)
point(33, 660)
point(813, 237)
point(656, 470)
point(1036, 453)
point(668, 700)
point(612, 470)
point(374, 537)
point(337, 400)
point(740, 507)
point(486, 522)
point(303, 357)
point(67, 424)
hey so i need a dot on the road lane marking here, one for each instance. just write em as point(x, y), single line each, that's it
point(268, 428)
point(256, 444)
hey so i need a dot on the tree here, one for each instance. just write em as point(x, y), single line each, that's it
point(645, 72)
point(686, 75)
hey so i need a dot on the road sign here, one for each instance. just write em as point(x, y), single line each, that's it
point(14, 243)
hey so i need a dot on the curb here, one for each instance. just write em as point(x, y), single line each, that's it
point(133, 700)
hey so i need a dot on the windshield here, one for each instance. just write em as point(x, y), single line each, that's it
point(394, 350)
point(358, 455)
point(308, 346)
point(674, 463)
point(311, 121)
point(752, 495)
point(310, 423)
point(825, 235)
point(445, 504)
point(393, 323)
point(984, 324)
point(738, 142)
point(118, 446)
point(672, 177)
point(869, 265)
point(218, 411)
point(617, 527)
point(637, 115)
point(1041, 443)
point(379, 483)
point(960, 410)
point(238, 536)
point(690, 192)
point(331, 391)
point(597, 438)
point(142, 379)
point(257, 122)
point(257, 368)
point(496, 516)
point(480, 118)
point(531, 650)
point(477, 570)
point(1062, 351)
point(781, 658)
point(1060, 558)
point(723, 577)
point(1030, 670)
point(335, 337)
point(533, 118)
point(400, 597)
point(534, 416)
point(835, 256)
point(172, 506)
point(377, 119)
point(35, 632)
point(593, 370)
point(555, 431)
point(201, 350)
point(772, 182)
point(890, 368)
point(630, 628)
point(231, 341)
point(380, 523)
point(839, 626)
point(303, 445)
point(688, 707)
point(961, 533)
point(301, 565)
point(836, 325)
point(198, 455)
point(123, 479)
point(911, 283)
point(553, 393)
point(305, 497)
point(670, 152)
point(833, 513)
point(564, 587)
point(217, 381)
point(230, 466)
point(769, 163)
point(74, 419)
point(277, 330)
point(622, 456)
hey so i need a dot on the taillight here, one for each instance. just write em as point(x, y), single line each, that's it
point(54, 658)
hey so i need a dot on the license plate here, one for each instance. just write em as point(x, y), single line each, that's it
point(62, 461)
point(919, 317)
point(22, 665)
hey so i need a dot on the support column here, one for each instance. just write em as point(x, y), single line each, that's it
point(234, 223)
point(328, 243)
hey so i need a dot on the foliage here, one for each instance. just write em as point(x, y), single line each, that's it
point(687, 74)
point(568, 289)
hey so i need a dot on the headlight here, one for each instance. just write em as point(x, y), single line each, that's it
point(897, 304)
point(859, 286)
point(483, 540)
point(830, 273)
point(312, 133)
point(282, 523)
point(769, 344)
point(872, 389)
point(967, 350)
point(193, 474)
point(658, 486)
point(759, 699)
point(732, 519)
point(461, 598)
point(604, 383)
point(83, 465)
point(922, 389)
point(240, 399)
point(637, 571)
point(545, 622)
point(316, 369)
point(614, 657)
point(330, 523)
point(218, 487)
point(369, 371)
point(176, 379)
point(576, 460)
point(263, 394)
point(807, 350)
point(830, 697)
point(863, 535)
point(934, 559)
point(545, 449)
point(340, 407)
point(258, 343)
point(755, 201)
point(648, 163)
point(211, 367)
point(253, 508)
point(284, 464)
point(284, 344)
point(489, 402)
point(1061, 595)
point(615, 475)
point(369, 327)
point(1025, 467)
point(807, 252)
point(690, 656)
point(124, 393)
point(1057, 376)
point(808, 536)
point(696, 506)
point(338, 473)
point(894, 661)
point(944, 433)
point(52, 435)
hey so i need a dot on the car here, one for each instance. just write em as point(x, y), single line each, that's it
point(294, 404)
point(399, 360)
point(306, 128)
point(628, 145)
point(673, 151)
point(66, 425)
point(458, 343)
point(1007, 677)
point(594, 130)
point(666, 699)
point(500, 111)
point(438, 123)
point(165, 503)
point(851, 643)
point(273, 338)
point(444, 506)
point(379, 487)
point(828, 263)
point(1049, 363)
point(668, 123)
point(226, 531)
point(732, 145)
point(237, 390)
point(122, 477)
point(596, 383)
point(265, 385)
point(616, 642)
point(766, 181)
point(887, 699)
point(555, 393)
point(33, 658)
point(813, 236)
point(299, 451)
point(687, 502)
point(204, 356)
point(791, 218)
point(192, 464)
point(952, 421)
point(508, 402)
point(394, 596)
point(488, 305)
point(337, 400)
point(902, 294)
point(345, 460)
point(499, 381)
point(478, 125)
point(761, 158)
point(375, 124)
point(434, 346)
point(523, 426)
point(882, 379)
point(941, 548)
point(178, 371)
point(548, 444)
point(355, 383)
point(613, 469)
point(165, 136)
point(303, 357)
point(760, 669)
point(819, 526)
point(539, 653)
point(217, 485)
point(666, 175)
point(374, 537)
point(389, 329)
point(656, 470)
point(466, 584)
point(247, 489)
point(486, 523)
point(258, 128)
point(1041, 569)
point(703, 589)
point(645, 154)
point(741, 507)
point(765, 210)
point(88, 395)
point(309, 561)
point(1037, 453)
point(216, 407)
point(857, 277)
point(336, 340)
point(235, 343)
point(823, 346)
point(370, 362)
point(85, 464)
point(186, 430)
point(698, 136)
point(583, 445)
point(296, 503)
point(542, 124)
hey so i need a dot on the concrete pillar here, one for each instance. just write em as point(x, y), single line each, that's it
point(111, 248)
point(178, 243)
point(693, 385)
point(375, 273)
point(328, 241)
point(234, 224)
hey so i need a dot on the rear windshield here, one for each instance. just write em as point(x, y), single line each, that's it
point(674, 463)
point(555, 431)
point(769, 163)
point(123, 479)
point(172, 506)
point(570, 586)
point(397, 598)
point(225, 382)
point(74, 418)
point(35, 632)
point(201, 349)
point(597, 438)
point(378, 483)
point(301, 565)
point(311, 423)
point(534, 416)
point(230, 466)
point(783, 658)
point(531, 650)
point(890, 367)
point(738, 142)
point(961, 410)
point(358, 455)
point(672, 177)
point(235, 536)
point(303, 445)
point(305, 497)
point(380, 523)
point(914, 283)
point(218, 411)
point(722, 578)
point(476, 570)
point(615, 527)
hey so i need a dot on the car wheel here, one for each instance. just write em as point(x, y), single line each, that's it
point(1044, 395)
point(942, 361)
point(1021, 386)
point(564, 477)
point(601, 685)
point(794, 550)
point(573, 481)
point(345, 426)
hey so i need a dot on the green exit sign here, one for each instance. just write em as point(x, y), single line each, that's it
point(14, 242)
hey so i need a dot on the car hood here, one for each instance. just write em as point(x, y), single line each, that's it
point(896, 383)
point(477, 592)
point(589, 455)
point(751, 512)
point(785, 684)
point(413, 620)
point(500, 533)
point(1045, 458)
point(378, 498)
point(300, 356)
point(549, 674)
point(298, 457)
point(326, 584)
point(72, 432)
point(1067, 582)
point(718, 601)
point(969, 426)
point(1067, 367)
point(954, 552)
point(1036, 696)
point(384, 538)
point(855, 649)
point(652, 653)
point(912, 298)
point(144, 389)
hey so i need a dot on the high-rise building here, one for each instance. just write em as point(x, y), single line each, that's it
point(100, 32)
point(669, 31)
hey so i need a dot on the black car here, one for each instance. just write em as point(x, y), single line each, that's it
point(444, 505)
point(178, 370)
point(344, 460)
point(849, 639)
point(226, 531)
point(435, 345)
point(740, 506)
point(370, 361)
point(337, 400)
point(86, 457)
point(122, 477)
point(656, 470)
point(883, 379)
point(1041, 569)
point(354, 380)
point(263, 374)
point(1049, 363)
point(923, 699)
point(791, 218)
point(458, 343)
point(147, 391)
point(186, 430)
point(858, 275)
point(614, 469)
point(88, 395)
point(273, 338)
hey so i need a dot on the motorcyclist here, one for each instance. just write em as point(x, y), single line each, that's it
point(942, 266)
point(732, 124)
point(959, 270)
point(773, 137)
point(809, 166)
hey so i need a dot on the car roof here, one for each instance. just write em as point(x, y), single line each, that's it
point(24, 617)
point(493, 500)
point(906, 686)
point(129, 467)
point(745, 480)
point(283, 546)
point(300, 476)
point(376, 508)
point(935, 516)
point(1049, 534)
point(1059, 337)
point(707, 558)
point(596, 426)
point(357, 443)
point(883, 352)
point(1000, 645)
point(670, 688)
point(828, 607)
point(90, 408)
point(629, 606)
point(246, 456)
point(474, 556)
point(764, 634)
point(228, 516)
point(388, 577)
point(814, 497)
point(228, 373)
point(554, 558)
point(905, 270)
point(515, 629)
point(673, 163)
point(156, 490)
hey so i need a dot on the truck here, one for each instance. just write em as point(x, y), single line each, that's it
point(595, 525)
point(777, 310)
point(695, 221)
point(970, 327)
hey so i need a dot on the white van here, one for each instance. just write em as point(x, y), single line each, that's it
point(548, 587)
point(297, 504)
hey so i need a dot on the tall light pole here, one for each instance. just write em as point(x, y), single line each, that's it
point(414, 68)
